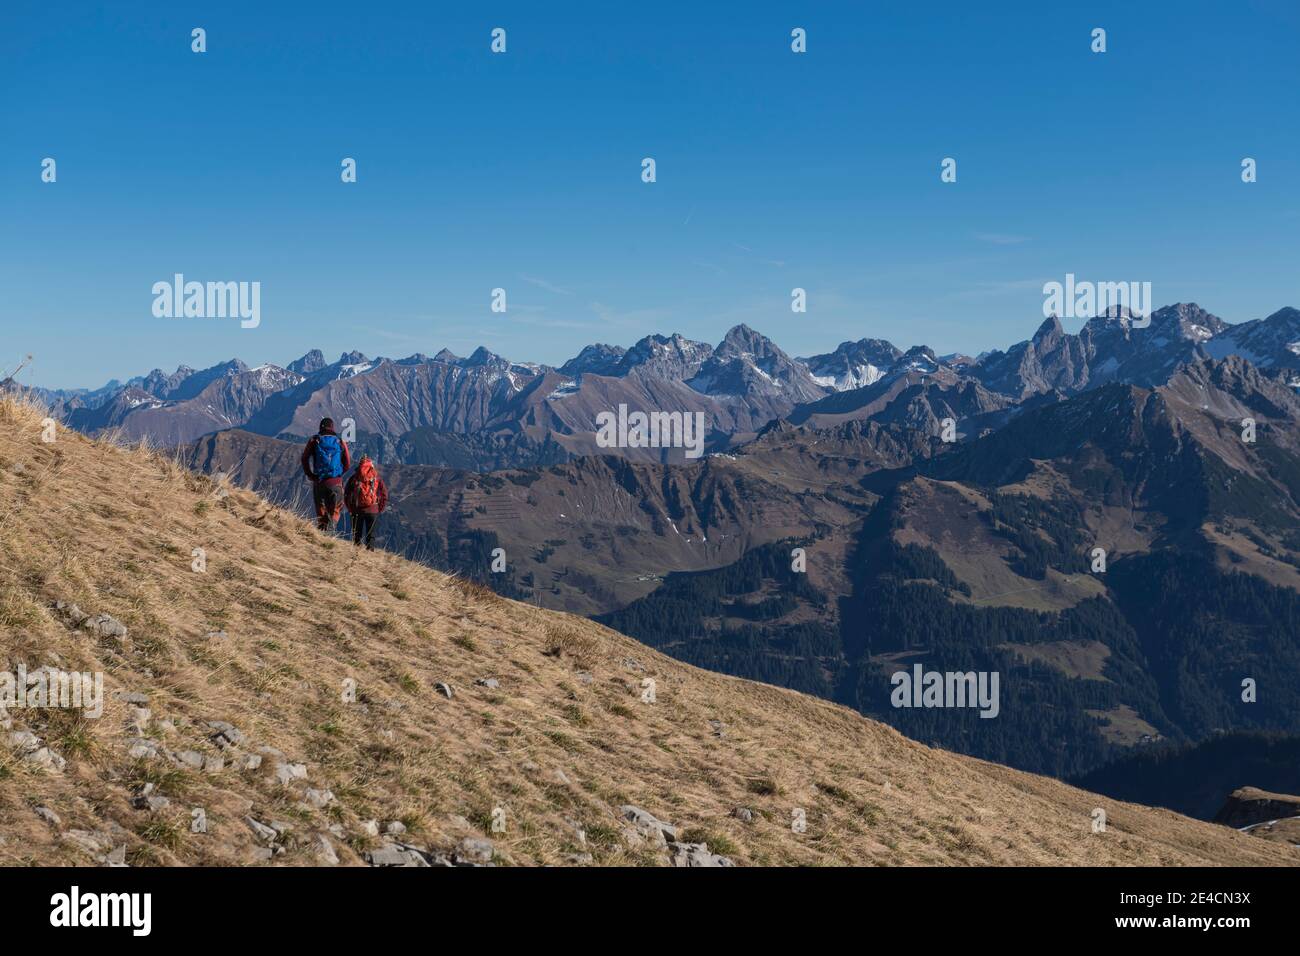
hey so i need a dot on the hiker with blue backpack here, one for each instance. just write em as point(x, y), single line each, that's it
point(325, 460)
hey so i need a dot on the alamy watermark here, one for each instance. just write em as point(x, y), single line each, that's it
point(1085, 300)
point(651, 430)
point(208, 300)
point(922, 688)
point(48, 687)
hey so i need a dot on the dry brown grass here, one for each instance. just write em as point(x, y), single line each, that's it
point(113, 529)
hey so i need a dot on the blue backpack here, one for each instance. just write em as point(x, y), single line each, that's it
point(327, 457)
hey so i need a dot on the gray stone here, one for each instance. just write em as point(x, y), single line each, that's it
point(93, 842)
point(647, 826)
point(70, 612)
point(150, 801)
point(744, 814)
point(696, 854)
point(24, 741)
point(395, 827)
point(488, 682)
point(391, 854)
point(320, 799)
point(445, 690)
point(474, 850)
point(142, 749)
point(49, 816)
point(47, 759)
point(226, 735)
point(261, 829)
point(286, 773)
point(104, 625)
point(249, 761)
point(189, 758)
point(370, 828)
point(325, 850)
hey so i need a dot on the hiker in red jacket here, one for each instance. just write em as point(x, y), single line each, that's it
point(325, 461)
point(366, 497)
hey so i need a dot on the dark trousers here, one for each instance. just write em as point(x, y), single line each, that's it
point(364, 525)
point(327, 496)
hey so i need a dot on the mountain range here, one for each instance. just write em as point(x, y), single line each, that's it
point(491, 412)
point(1170, 447)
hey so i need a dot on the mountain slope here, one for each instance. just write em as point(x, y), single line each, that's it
point(255, 652)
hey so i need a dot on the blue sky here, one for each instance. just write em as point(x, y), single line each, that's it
point(522, 171)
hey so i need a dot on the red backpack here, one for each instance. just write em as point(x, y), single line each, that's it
point(367, 485)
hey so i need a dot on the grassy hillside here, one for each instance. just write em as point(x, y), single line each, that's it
point(252, 656)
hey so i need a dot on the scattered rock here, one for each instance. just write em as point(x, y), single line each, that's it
point(743, 814)
point(320, 799)
point(141, 748)
point(718, 727)
point(70, 613)
point(370, 828)
point(395, 828)
point(49, 816)
point(647, 827)
point(24, 741)
point(286, 773)
point(137, 721)
point(146, 799)
point(261, 829)
point(488, 682)
point(91, 842)
point(118, 856)
point(696, 854)
point(189, 758)
point(445, 690)
point(579, 834)
point(249, 762)
point(225, 735)
point(394, 854)
point(578, 859)
point(477, 850)
point(132, 697)
point(105, 626)
point(325, 850)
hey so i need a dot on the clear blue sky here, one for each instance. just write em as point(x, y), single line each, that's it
point(522, 170)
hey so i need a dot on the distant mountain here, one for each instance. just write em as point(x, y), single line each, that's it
point(749, 365)
point(495, 412)
point(1273, 342)
point(979, 556)
point(853, 364)
point(598, 359)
